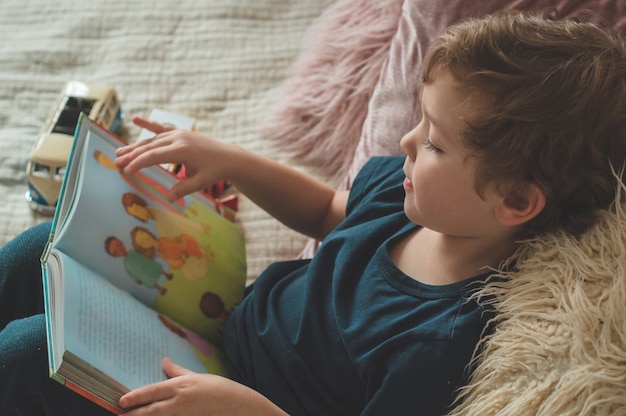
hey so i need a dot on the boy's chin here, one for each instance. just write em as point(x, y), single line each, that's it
point(411, 214)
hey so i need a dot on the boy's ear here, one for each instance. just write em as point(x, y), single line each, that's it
point(521, 206)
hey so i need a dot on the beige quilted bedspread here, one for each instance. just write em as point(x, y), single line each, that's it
point(218, 61)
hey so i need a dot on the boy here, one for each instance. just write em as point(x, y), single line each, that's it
point(524, 123)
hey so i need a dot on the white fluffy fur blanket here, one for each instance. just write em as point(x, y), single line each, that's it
point(560, 343)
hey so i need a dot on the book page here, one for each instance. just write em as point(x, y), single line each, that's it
point(113, 332)
point(53, 301)
point(183, 259)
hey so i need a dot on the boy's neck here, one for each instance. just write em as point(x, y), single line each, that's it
point(436, 259)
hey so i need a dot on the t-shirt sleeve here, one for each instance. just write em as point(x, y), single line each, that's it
point(377, 174)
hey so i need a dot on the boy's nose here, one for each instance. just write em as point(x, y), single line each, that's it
point(408, 142)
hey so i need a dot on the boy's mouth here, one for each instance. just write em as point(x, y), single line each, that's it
point(407, 184)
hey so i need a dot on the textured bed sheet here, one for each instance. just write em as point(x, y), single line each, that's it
point(217, 61)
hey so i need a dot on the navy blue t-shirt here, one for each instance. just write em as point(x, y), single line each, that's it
point(347, 333)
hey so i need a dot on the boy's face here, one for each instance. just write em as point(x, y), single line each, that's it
point(439, 168)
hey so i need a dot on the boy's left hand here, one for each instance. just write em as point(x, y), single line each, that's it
point(187, 393)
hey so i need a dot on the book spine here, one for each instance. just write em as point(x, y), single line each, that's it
point(92, 397)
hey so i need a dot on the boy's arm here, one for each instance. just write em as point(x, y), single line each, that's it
point(300, 201)
point(296, 199)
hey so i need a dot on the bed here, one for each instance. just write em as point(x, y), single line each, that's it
point(321, 85)
point(215, 61)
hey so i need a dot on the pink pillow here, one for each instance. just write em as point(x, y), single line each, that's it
point(318, 112)
point(394, 108)
point(354, 92)
point(354, 88)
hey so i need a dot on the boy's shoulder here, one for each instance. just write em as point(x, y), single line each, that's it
point(383, 164)
point(378, 176)
point(379, 167)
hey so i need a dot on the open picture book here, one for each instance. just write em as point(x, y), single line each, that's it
point(130, 278)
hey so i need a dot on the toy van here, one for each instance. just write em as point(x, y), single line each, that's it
point(48, 159)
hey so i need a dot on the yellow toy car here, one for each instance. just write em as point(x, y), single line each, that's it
point(48, 159)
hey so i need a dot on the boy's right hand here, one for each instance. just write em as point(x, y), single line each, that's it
point(206, 160)
point(300, 201)
point(150, 125)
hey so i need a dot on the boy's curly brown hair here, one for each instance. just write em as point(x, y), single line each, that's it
point(556, 109)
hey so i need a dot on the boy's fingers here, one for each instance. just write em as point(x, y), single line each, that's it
point(153, 126)
point(144, 395)
point(172, 369)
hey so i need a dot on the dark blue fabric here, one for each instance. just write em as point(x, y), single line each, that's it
point(25, 387)
point(348, 333)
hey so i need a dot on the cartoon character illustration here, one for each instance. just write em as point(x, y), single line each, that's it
point(168, 223)
point(211, 356)
point(212, 306)
point(139, 181)
point(174, 250)
point(104, 160)
point(202, 345)
point(137, 206)
point(142, 269)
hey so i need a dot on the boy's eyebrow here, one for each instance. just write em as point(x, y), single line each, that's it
point(425, 113)
point(432, 121)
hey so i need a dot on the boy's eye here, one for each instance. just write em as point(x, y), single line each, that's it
point(429, 146)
